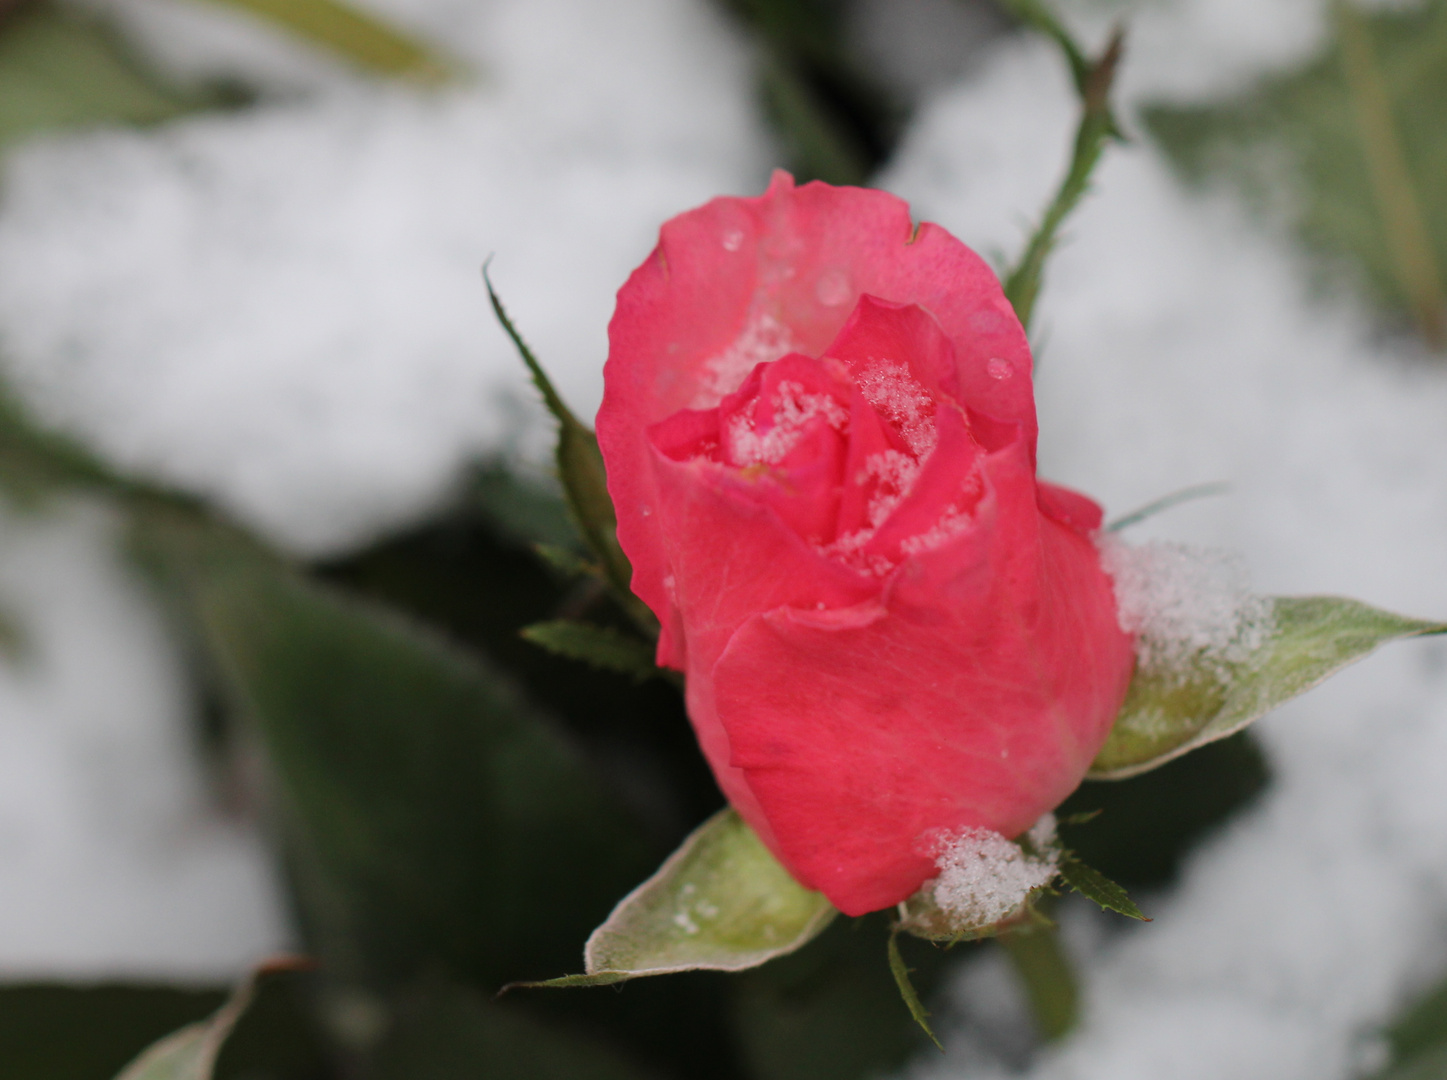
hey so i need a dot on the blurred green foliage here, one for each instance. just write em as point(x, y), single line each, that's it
point(1293, 146)
point(1418, 1039)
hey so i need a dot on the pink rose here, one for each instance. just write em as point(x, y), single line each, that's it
point(819, 430)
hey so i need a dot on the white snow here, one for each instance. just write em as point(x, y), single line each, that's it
point(114, 858)
point(1185, 604)
point(1180, 345)
point(282, 306)
point(985, 877)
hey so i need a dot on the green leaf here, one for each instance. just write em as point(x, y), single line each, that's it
point(1430, 1064)
point(721, 902)
point(446, 1032)
point(1301, 149)
point(433, 818)
point(60, 69)
point(601, 646)
point(900, 971)
point(585, 483)
point(1093, 885)
point(357, 35)
point(1169, 713)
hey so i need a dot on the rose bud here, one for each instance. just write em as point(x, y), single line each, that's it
point(819, 432)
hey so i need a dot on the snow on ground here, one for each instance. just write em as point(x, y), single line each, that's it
point(282, 308)
point(114, 860)
point(1179, 346)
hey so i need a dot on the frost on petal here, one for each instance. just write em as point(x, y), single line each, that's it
point(762, 340)
point(1186, 606)
point(794, 409)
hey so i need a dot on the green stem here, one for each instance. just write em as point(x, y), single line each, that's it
point(1093, 81)
point(1048, 976)
point(1398, 205)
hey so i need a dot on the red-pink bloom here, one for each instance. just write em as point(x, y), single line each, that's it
point(819, 430)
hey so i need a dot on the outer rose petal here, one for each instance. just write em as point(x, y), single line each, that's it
point(739, 281)
point(975, 696)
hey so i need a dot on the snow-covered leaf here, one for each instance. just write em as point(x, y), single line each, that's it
point(601, 646)
point(720, 902)
point(1171, 710)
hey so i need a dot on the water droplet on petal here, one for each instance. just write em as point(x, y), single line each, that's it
point(733, 239)
point(999, 369)
point(833, 288)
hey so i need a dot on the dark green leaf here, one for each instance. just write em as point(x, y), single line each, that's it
point(1093, 885)
point(442, 1032)
point(1168, 713)
point(433, 817)
point(901, 973)
point(355, 34)
point(601, 646)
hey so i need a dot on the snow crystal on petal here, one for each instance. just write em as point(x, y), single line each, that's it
point(793, 412)
point(985, 877)
point(1185, 604)
point(763, 340)
point(898, 396)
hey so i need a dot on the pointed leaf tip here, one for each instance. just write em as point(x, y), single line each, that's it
point(1093, 885)
point(1170, 712)
point(721, 902)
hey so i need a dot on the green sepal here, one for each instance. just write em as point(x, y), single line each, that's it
point(721, 902)
point(900, 971)
point(1093, 885)
point(1168, 713)
point(598, 646)
point(585, 483)
point(566, 561)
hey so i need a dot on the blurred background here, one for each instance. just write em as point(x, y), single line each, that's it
point(273, 480)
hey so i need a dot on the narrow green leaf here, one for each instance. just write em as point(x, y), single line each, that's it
point(1043, 966)
point(600, 646)
point(359, 36)
point(1168, 713)
point(191, 1052)
point(1093, 885)
point(585, 483)
point(720, 902)
point(1165, 502)
point(900, 971)
point(565, 561)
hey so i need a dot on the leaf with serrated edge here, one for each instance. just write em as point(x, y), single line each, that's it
point(1169, 714)
point(600, 646)
point(1093, 885)
point(900, 970)
point(720, 902)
